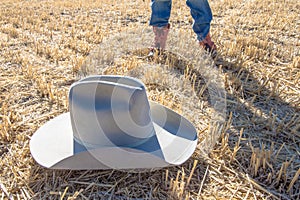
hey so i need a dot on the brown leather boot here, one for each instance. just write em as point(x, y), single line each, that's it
point(208, 45)
point(160, 37)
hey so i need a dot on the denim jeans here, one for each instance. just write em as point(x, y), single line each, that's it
point(200, 11)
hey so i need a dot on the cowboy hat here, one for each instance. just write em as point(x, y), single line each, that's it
point(112, 125)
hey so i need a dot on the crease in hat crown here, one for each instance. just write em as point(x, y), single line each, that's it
point(124, 103)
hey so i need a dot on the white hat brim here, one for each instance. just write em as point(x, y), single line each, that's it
point(53, 146)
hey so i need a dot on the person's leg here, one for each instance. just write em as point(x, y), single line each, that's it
point(201, 13)
point(161, 11)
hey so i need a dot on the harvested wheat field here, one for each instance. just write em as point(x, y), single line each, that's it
point(249, 145)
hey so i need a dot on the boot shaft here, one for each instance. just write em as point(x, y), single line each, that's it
point(208, 45)
point(160, 36)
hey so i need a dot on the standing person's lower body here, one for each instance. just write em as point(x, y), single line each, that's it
point(202, 16)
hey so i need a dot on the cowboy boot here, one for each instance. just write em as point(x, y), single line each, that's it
point(160, 37)
point(208, 45)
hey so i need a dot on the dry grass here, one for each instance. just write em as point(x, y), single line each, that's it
point(44, 44)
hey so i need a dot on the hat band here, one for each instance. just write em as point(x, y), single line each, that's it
point(88, 145)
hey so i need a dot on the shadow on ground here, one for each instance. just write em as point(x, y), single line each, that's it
point(260, 144)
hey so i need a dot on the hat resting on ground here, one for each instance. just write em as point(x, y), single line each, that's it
point(112, 125)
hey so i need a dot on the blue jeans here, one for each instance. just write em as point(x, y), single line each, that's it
point(200, 11)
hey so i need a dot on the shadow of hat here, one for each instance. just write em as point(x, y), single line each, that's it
point(112, 125)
